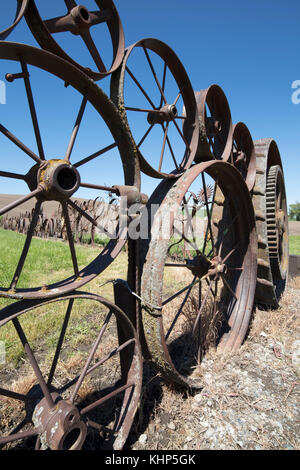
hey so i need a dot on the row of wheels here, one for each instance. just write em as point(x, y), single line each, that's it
point(209, 243)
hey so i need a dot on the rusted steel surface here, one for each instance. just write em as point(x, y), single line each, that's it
point(230, 298)
point(208, 243)
point(270, 286)
point(162, 114)
point(78, 21)
point(21, 7)
point(59, 419)
point(214, 123)
point(58, 179)
point(242, 154)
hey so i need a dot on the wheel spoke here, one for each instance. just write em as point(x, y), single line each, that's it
point(33, 362)
point(154, 74)
point(60, 24)
point(91, 355)
point(145, 135)
point(88, 217)
point(17, 436)
point(170, 148)
point(32, 110)
point(26, 247)
point(70, 4)
point(60, 341)
point(202, 307)
point(226, 284)
point(7, 174)
point(87, 38)
point(180, 292)
point(209, 213)
point(107, 397)
point(19, 144)
point(163, 147)
point(14, 395)
point(140, 87)
point(70, 238)
point(20, 201)
point(180, 310)
point(95, 155)
point(163, 83)
point(76, 128)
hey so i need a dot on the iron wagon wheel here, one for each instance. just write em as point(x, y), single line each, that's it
point(149, 88)
point(269, 200)
point(215, 124)
point(78, 21)
point(198, 284)
point(21, 6)
point(53, 178)
point(78, 396)
point(242, 154)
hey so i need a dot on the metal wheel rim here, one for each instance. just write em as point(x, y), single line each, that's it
point(44, 393)
point(109, 113)
point(189, 133)
point(155, 255)
point(46, 41)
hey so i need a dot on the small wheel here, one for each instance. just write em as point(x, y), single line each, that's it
point(59, 167)
point(79, 395)
point(269, 201)
point(149, 89)
point(78, 20)
point(21, 8)
point(215, 124)
point(242, 155)
point(199, 271)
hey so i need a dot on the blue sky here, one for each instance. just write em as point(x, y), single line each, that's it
point(250, 48)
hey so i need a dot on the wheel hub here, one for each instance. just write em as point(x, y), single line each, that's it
point(60, 427)
point(58, 179)
point(164, 114)
point(201, 266)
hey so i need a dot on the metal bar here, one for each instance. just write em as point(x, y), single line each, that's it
point(19, 144)
point(76, 128)
point(32, 110)
point(26, 247)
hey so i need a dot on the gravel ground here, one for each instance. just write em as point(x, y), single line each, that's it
point(249, 400)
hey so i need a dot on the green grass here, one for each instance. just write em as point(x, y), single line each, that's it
point(294, 244)
point(47, 262)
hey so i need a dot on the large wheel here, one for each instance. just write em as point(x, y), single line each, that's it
point(150, 88)
point(199, 269)
point(56, 175)
point(77, 20)
point(79, 395)
point(269, 202)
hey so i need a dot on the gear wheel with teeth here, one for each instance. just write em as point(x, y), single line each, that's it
point(269, 201)
point(277, 228)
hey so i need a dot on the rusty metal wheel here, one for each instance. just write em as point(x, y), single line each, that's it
point(269, 201)
point(56, 176)
point(78, 21)
point(215, 124)
point(242, 154)
point(79, 395)
point(150, 88)
point(21, 6)
point(277, 223)
point(198, 283)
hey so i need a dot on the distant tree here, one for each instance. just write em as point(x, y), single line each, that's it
point(294, 211)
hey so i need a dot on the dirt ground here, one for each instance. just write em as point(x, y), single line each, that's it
point(294, 227)
point(249, 400)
